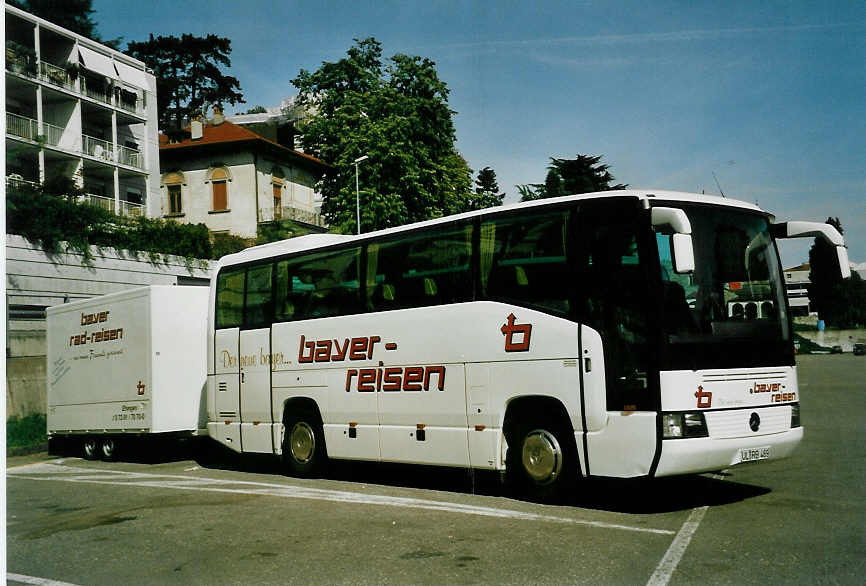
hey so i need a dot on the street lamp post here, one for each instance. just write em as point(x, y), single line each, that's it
point(357, 193)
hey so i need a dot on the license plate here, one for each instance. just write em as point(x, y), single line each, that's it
point(754, 454)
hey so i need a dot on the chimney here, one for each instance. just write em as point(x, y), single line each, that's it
point(218, 117)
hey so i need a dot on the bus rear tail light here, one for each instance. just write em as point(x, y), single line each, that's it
point(688, 424)
point(795, 414)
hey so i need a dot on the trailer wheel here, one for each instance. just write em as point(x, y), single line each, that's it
point(90, 448)
point(540, 462)
point(303, 444)
point(109, 449)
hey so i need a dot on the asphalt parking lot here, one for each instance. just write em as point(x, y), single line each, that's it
point(230, 521)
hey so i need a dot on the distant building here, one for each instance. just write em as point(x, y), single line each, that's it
point(78, 109)
point(232, 179)
point(796, 287)
point(277, 124)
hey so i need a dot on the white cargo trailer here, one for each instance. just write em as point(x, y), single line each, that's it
point(127, 365)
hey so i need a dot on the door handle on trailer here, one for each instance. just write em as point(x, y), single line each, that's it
point(242, 377)
point(587, 364)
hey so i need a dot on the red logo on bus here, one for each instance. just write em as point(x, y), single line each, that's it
point(705, 398)
point(509, 329)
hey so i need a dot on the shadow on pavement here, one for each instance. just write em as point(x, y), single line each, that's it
point(636, 496)
point(640, 496)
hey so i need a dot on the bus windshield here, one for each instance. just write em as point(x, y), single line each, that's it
point(736, 291)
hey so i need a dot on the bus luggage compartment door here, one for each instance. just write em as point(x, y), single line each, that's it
point(226, 426)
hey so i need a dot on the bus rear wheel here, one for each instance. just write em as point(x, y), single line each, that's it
point(109, 449)
point(303, 444)
point(90, 448)
point(540, 462)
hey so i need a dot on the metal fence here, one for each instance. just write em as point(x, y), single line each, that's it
point(291, 213)
point(55, 75)
point(131, 157)
point(98, 148)
point(21, 126)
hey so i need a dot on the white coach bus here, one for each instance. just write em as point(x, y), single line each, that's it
point(558, 339)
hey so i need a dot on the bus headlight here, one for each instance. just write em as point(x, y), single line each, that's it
point(795, 414)
point(686, 424)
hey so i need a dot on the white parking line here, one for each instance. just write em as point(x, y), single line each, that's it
point(34, 580)
point(178, 482)
point(674, 554)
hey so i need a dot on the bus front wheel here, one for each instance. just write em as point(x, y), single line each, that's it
point(540, 461)
point(303, 444)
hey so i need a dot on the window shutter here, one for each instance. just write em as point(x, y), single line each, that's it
point(220, 195)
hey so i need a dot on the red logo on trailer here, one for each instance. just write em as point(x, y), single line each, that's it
point(509, 329)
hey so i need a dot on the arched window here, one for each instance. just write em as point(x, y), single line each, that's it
point(219, 179)
point(173, 183)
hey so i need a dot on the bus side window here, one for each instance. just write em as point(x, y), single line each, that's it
point(430, 268)
point(523, 260)
point(230, 298)
point(284, 308)
point(257, 313)
point(326, 284)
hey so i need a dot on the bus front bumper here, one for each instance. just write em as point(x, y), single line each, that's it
point(693, 456)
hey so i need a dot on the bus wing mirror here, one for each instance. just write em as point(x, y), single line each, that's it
point(817, 230)
point(844, 265)
point(684, 253)
point(674, 219)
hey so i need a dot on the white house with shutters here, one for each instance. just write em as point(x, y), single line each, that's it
point(232, 179)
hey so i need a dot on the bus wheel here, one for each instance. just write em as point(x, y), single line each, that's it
point(90, 448)
point(109, 449)
point(303, 444)
point(540, 462)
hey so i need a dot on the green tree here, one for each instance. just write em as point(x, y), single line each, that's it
point(398, 115)
point(256, 110)
point(839, 302)
point(74, 15)
point(486, 190)
point(583, 174)
point(188, 74)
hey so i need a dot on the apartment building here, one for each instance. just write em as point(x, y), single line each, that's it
point(78, 109)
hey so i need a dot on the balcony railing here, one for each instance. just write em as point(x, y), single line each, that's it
point(21, 126)
point(96, 89)
point(131, 157)
point(55, 75)
point(28, 128)
point(97, 148)
point(127, 208)
point(115, 93)
point(129, 98)
point(15, 181)
point(100, 201)
point(52, 133)
point(291, 213)
point(130, 209)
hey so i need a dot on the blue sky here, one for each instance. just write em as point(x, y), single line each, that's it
point(769, 96)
